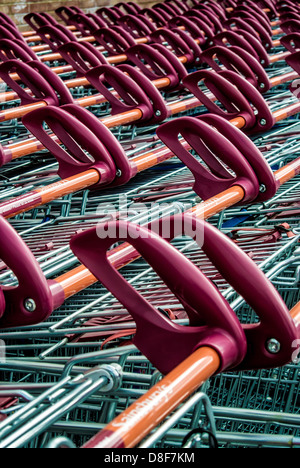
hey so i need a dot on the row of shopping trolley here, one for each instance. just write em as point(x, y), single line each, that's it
point(149, 200)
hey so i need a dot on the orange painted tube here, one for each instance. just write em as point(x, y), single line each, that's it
point(133, 424)
point(51, 192)
point(32, 145)
point(43, 195)
point(286, 112)
point(295, 313)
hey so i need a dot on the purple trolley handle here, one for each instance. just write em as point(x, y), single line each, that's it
point(155, 16)
point(264, 36)
point(225, 92)
point(65, 13)
point(138, 26)
point(293, 60)
point(41, 89)
point(178, 43)
point(159, 108)
point(264, 119)
point(113, 41)
point(291, 42)
point(6, 19)
point(235, 39)
point(253, 15)
point(54, 36)
point(123, 168)
point(290, 26)
point(190, 26)
point(213, 323)
point(9, 32)
point(74, 135)
point(33, 286)
point(160, 62)
point(214, 140)
point(197, 295)
point(82, 56)
point(214, 19)
point(231, 61)
point(262, 80)
point(86, 25)
point(136, 90)
point(63, 93)
point(250, 152)
point(36, 20)
point(264, 58)
point(109, 15)
point(213, 147)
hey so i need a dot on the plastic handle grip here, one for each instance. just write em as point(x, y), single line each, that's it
point(76, 136)
point(158, 106)
point(154, 16)
point(262, 80)
point(121, 163)
point(155, 63)
point(109, 15)
point(6, 19)
point(264, 35)
point(290, 26)
point(231, 61)
point(53, 36)
point(180, 43)
point(10, 32)
point(136, 91)
point(189, 26)
point(255, 43)
point(293, 61)
point(41, 89)
point(202, 22)
point(65, 13)
point(13, 50)
point(212, 320)
point(81, 56)
point(32, 282)
point(264, 119)
point(289, 16)
point(233, 101)
point(84, 24)
point(63, 94)
point(234, 38)
point(215, 150)
point(99, 21)
point(250, 152)
point(137, 26)
point(129, 8)
point(217, 25)
point(192, 289)
point(169, 10)
point(36, 20)
point(254, 16)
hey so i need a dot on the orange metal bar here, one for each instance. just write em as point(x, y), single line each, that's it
point(149, 410)
point(295, 313)
point(286, 112)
